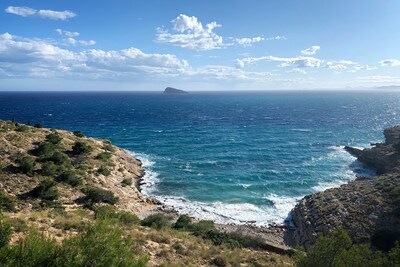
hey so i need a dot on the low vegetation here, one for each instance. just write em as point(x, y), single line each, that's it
point(337, 249)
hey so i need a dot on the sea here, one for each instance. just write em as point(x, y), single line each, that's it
point(233, 157)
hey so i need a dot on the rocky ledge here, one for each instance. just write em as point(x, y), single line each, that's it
point(363, 207)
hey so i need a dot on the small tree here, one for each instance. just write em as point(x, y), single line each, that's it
point(46, 190)
point(26, 164)
point(49, 168)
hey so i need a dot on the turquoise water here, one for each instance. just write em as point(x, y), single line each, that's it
point(231, 157)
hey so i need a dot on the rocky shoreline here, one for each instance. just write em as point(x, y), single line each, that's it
point(363, 207)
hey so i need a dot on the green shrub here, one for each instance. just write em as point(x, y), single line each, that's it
point(183, 222)
point(158, 221)
point(7, 203)
point(81, 147)
point(69, 177)
point(45, 150)
point(21, 128)
point(26, 164)
point(97, 195)
point(59, 158)
point(5, 232)
point(104, 171)
point(38, 125)
point(202, 227)
point(108, 213)
point(53, 138)
point(49, 169)
point(46, 190)
point(127, 182)
point(100, 245)
point(337, 249)
point(79, 134)
point(34, 250)
point(104, 155)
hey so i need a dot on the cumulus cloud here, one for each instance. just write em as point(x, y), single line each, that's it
point(390, 62)
point(339, 65)
point(311, 50)
point(43, 13)
point(71, 40)
point(189, 33)
point(296, 62)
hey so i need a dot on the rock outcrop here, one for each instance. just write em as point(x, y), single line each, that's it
point(362, 207)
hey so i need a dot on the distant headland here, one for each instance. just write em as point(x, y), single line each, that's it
point(171, 90)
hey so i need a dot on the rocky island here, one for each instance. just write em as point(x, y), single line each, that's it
point(367, 208)
point(170, 90)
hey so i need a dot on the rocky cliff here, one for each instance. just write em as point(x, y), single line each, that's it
point(363, 207)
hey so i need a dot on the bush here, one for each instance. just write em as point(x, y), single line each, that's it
point(202, 227)
point(46, 190)
point(81, 147)
point(158, 221)
point(104, 155)
point(100, 245)
point(26, 164)
point(44, 150)
point(59, 158)
point(337, 249)
point(7, 203)
point(49, 169)
point(53, 138)
point(127, 182)
point(69, 177)
point(104, 171)
point(108, 213)
point(5, 232)
point(109, 147)
point(38, 125)
point(79, 134)
point(183, 222)
point(97, 195)
point(34, 250)
point(219, 261)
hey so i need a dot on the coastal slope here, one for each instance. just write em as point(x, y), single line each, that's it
point(365, 207)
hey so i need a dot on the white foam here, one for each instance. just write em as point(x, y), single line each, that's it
point(150, 178)
point(237, 213)
point(301, 130)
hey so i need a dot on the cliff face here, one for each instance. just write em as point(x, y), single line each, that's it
point(362, 207)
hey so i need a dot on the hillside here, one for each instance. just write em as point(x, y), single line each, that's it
point(368, 209)
point(61, 191)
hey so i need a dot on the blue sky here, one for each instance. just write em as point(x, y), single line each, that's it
point(198, 45)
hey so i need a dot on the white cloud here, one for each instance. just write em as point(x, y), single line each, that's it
point(311, 50)
point(70, 40)
point(248, 41)
point(390, 63)
point(23, 56)
point(339, 65)
point(67, 33)
point(276, 38)
point(43, 13)
point(296, 62)
point(21, 11)
point(190, 34)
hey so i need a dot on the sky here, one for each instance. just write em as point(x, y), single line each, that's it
point(199, 45)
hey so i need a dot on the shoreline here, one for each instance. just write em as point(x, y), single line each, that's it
point(272, 234)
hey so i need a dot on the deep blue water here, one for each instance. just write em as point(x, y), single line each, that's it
point(225, 156)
